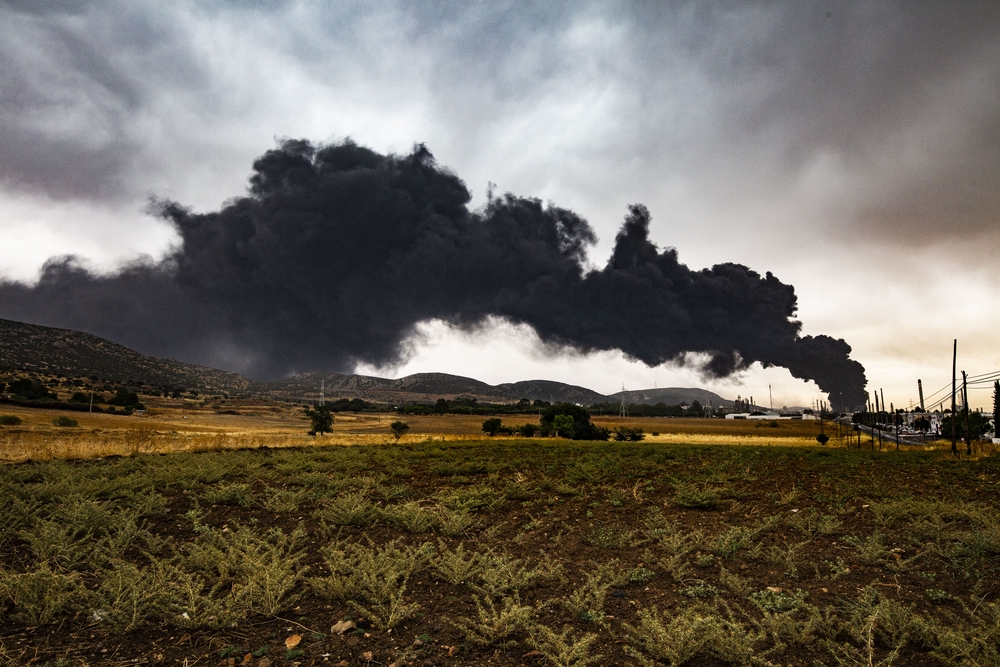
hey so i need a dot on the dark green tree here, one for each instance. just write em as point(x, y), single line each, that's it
point(321, 419)
point(399, 428)
point(491, 426)
point(978, 424)
point(564, 426)
point(30, 390)
point(126, 398)
point(528, 430)
point(582, 428)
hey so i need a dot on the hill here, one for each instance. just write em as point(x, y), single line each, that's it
point(424, 387)
point(673, 396)
point(51, 351)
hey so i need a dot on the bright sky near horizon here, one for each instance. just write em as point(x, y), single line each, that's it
point(851, 148)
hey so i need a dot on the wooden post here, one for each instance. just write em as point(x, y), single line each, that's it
point(878, 419)
point(954, 432)
point(968, 423)
point(892, 410)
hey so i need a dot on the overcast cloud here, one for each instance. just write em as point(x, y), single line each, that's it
point(853, 149)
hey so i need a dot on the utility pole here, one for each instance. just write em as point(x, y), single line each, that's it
point(878, 417)
point(968, 425)
point(892, 409)
point(623, 408)
point(91, 411)
point(770, 398)
point(322, 390)
point(954, 432)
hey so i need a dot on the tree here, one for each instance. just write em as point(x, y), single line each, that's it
point(399, 428)
point(30, 390)
point(978, 424)
point(528, 430)
point(582, 428)
point(564, 426)
point(126, 398)
point(491, 426)
point(822, 438)
point(321, 418)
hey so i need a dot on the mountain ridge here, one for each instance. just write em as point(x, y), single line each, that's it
point(34, 348)
point(64, 352)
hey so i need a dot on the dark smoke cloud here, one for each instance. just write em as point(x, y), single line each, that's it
point(337, 252)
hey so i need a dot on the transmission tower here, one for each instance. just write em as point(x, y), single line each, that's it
point(623, 410)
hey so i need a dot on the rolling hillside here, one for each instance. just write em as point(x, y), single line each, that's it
point(425, 387)
point(50, 351)
point(673, 396)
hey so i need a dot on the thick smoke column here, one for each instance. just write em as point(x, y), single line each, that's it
point(337, 252)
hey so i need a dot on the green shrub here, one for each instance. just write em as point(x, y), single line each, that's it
point(224, 577)
point(129, 597)
point(347, 509)
point(65, 421)
point(677, 638)
point(456, 566)
point(9, 420)
point(776, 600)
point(626, 434)
point(412, 517)
point(561, 649)
point(692, 496)
point(372, 580)
point(495, 622)
point(228, 494)
point(40, 596)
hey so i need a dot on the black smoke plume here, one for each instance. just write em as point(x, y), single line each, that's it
point(337, 252)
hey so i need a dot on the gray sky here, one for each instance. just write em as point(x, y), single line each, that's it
point(853, 149)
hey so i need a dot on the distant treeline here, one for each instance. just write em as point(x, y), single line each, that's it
point(471, 406)
point(31, 393)
point(659, 410)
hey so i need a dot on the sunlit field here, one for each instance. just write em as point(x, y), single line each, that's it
point(176, 426)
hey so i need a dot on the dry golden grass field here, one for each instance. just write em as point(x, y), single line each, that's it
point(192, 426)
